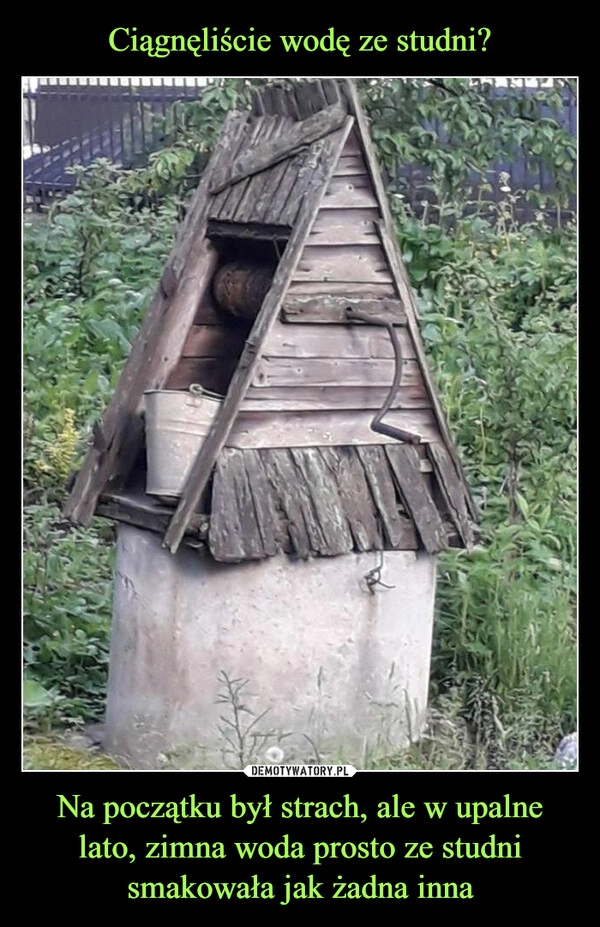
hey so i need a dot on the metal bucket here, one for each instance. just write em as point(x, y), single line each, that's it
point(176, 425)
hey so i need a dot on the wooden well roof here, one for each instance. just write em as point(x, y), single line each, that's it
point(314, 478)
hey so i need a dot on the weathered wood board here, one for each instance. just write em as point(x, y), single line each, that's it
point(398, 530)
point(345, 227)
point(225, 204)
point(342, 263)
point(324, 398)
point(323, 308)
point(342, 341)
point(144, 512)
point(325, 429)
point(305, 501)
point(405, 463)
point(349, 192)
point(350, 164)
point(363, 290)
point(275, 192)
point(355, 497)
point(261, 189)
point(336, 371)
point(234, 533)
point(453, 490)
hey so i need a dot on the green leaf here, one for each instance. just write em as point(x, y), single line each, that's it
point(35, 695)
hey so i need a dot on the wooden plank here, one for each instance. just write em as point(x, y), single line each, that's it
point(287, 211)
point(258, 103)
point(350, 164)
point(213, 373)
point(325, 308)
point(355, 495)
point(337, 371)
point(293, 105)
point(332, 91)
point(295, 176)
point(243, 194)
point(251, 128)
point(265, 154)
point(282, 103)
point(399, 531)
point(233, 532)
point(350, 290)
point(345, 227)
point(219, 432)
point(325, 429)
point(274, 182)
point(215, 341)
point(416, 497)
point(324, 398)
point(329, 525)
point(300, 99)
point(321, 96)
point(292, 497)
point(310, 98)
point(280, 198)
point(267, 99)
point(400, 276)
point(347, 341)
point(263, 184)
point(340, 263)
point(226, 202)
point(270, 518)
point(353, 144)
point(453, 490)
point(350, 192)
point(142, 512)
point(255, 231)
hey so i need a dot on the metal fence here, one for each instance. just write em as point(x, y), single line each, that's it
point(73, 121)
point(524, 172)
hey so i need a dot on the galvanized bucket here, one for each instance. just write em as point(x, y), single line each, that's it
point(176, 425)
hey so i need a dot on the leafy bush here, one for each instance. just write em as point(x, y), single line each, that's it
point(90, 266)
point(67, 605)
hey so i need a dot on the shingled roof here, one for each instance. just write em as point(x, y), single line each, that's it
point(317, 479)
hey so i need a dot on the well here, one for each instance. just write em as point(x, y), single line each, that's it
point(275, 600)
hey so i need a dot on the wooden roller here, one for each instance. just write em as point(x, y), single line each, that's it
point(240, 287)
